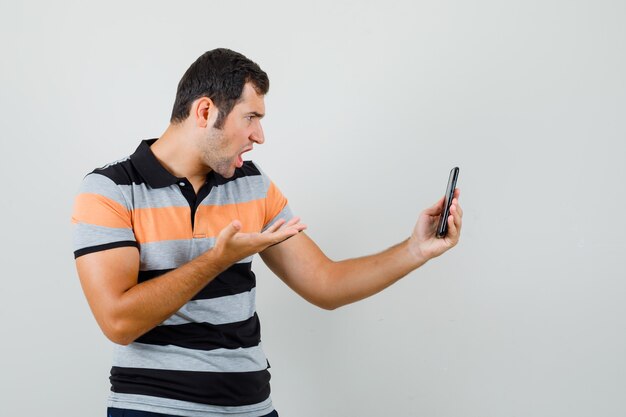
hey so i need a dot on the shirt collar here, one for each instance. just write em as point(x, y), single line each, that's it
point(155, 175)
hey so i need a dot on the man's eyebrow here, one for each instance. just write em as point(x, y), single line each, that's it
point(259, 115)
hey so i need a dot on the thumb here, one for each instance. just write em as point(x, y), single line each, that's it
point(231, 230)
point(437, 208)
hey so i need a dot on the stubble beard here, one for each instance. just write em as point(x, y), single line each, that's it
point(214, 153)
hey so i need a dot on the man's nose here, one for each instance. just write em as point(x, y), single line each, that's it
point(257, 134)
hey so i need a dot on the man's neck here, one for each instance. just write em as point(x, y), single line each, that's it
point(177, 152)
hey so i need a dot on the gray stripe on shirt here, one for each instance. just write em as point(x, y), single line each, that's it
point(221, 310)
point(170, 254)
point(169, 357)
point(88, 235)
point(240, 190)
point(185, 408)
point(99, 184)
point(285, 213)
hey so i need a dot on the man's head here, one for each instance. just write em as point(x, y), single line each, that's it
point(220, 103)
point(220, 75)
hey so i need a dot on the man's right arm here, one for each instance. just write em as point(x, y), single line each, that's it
point(125, 309)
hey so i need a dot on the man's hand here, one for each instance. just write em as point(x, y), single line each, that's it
point(232, 246)
point(423, 243)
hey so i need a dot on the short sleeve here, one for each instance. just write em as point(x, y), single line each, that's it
point(101, 218)
point(276, 204)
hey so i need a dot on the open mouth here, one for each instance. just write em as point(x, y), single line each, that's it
point(239, 163)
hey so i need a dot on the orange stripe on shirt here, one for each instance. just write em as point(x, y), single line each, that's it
point(275, 202)
point(163, 223)
point(210, 220)
point(99, 210)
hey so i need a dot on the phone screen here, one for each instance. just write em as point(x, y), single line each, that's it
point(442, 227)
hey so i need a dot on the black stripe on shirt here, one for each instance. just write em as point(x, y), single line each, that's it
point(142, 167)
point(206, 336)
point(237, 279)
point(121, 173)
point(247, 170)
point(228, 389)
point(98, 248)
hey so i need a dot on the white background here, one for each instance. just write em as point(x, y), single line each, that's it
point(370, 105)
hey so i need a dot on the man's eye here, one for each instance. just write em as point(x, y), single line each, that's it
point(249, 118)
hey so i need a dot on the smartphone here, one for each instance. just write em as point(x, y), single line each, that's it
point(442, 227)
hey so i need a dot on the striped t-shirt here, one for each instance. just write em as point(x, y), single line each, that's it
point(206, 359)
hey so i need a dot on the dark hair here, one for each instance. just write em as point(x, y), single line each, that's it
point(220, 75)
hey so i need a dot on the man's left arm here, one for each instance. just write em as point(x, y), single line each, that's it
point(301, 264)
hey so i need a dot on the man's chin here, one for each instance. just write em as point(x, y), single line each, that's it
point(227, 173)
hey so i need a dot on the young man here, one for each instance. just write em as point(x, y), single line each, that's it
point(164, 241)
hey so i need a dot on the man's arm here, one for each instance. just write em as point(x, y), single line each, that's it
point(125, 309)
point(301, 264)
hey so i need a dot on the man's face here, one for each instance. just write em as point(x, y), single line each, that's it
point(222, 149)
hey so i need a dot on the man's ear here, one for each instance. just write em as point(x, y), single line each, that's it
point(204, 112)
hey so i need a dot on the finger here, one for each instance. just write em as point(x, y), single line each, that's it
point(300, 227)
point(274, 227)
point(459, 209)
point(293, 221)
point(282, 225)
point(294, 224)
point(291, 230)
point(458, 219)
point(456, 207)
point(285, 233)
point(453, 232)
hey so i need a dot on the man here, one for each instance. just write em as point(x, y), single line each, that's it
point(164, 241)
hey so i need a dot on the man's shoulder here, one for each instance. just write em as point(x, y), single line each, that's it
point(113, 181)
point(120, 172)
